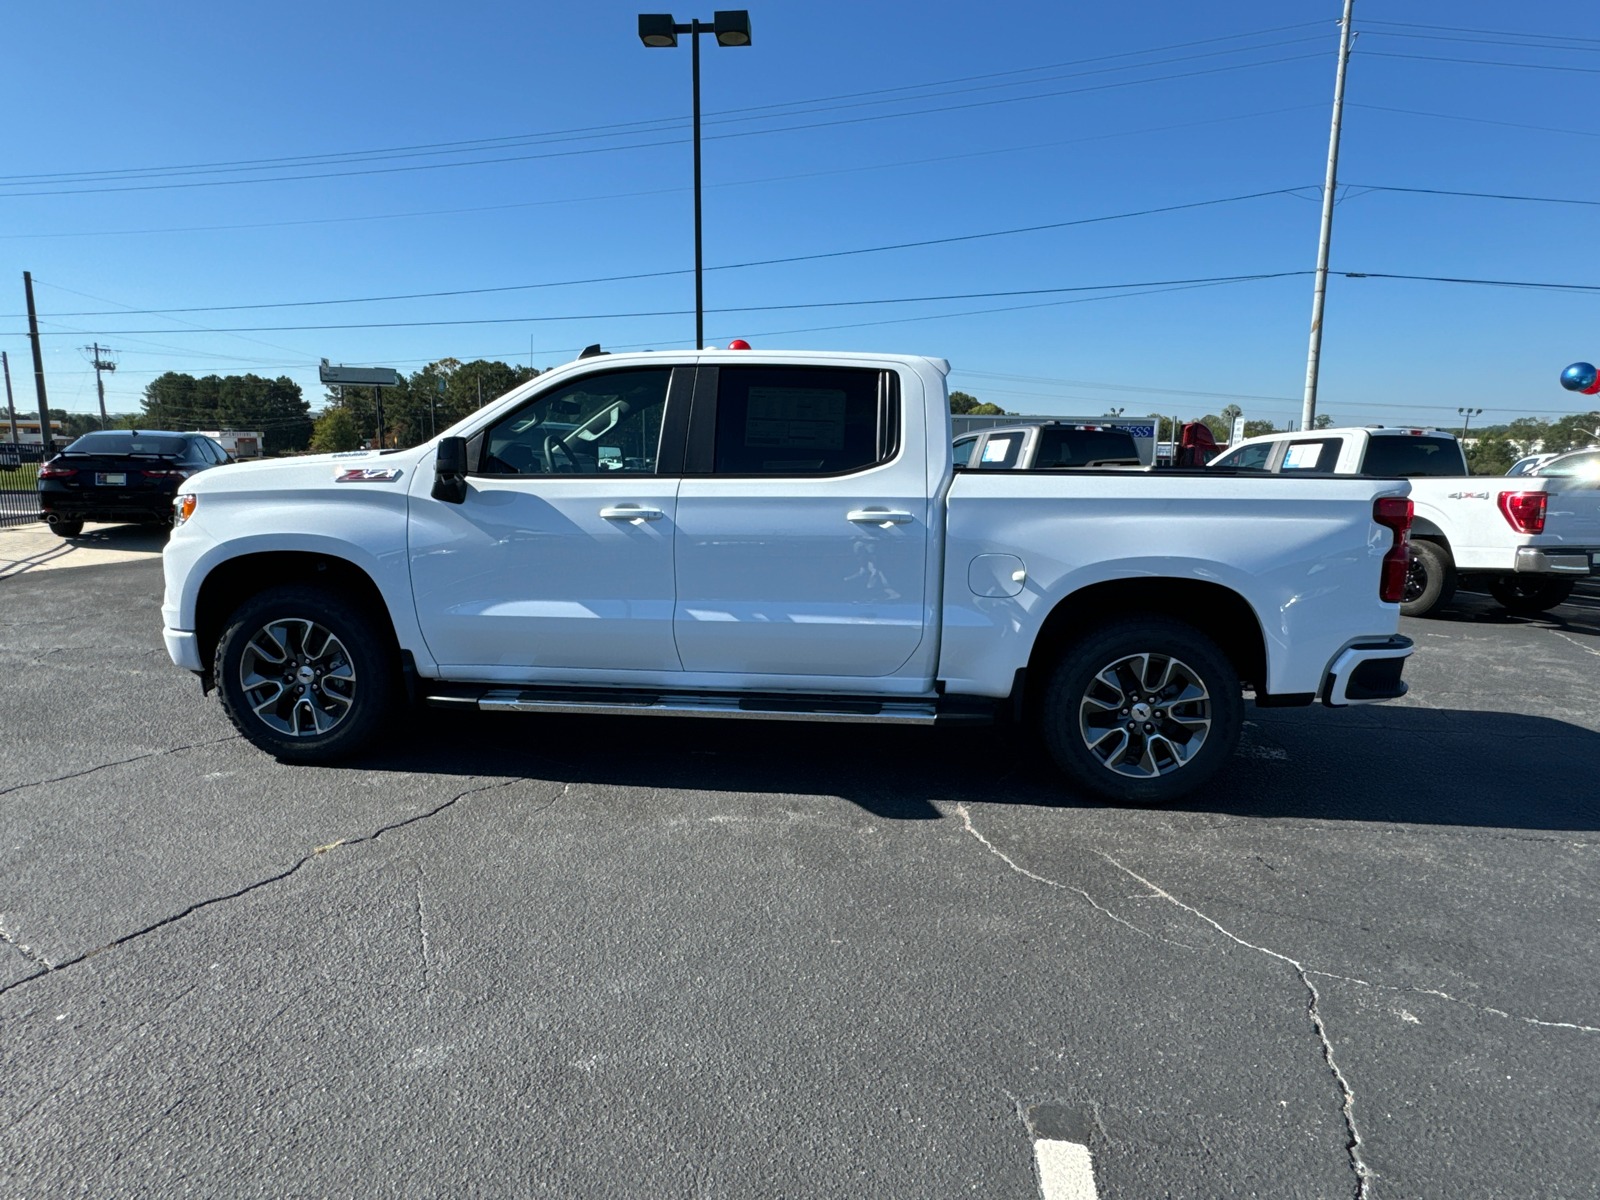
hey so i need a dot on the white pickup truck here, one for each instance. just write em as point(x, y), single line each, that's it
point(779, 536)
point(1524, 539)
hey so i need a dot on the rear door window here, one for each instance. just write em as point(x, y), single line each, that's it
point(1409, 457)
point(1316, 454)
point(962, 451)
point(801, 421)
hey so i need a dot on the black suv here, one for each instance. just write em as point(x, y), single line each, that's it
point(121, 475)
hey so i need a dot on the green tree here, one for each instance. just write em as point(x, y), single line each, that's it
point(1491, 455)
point(1322, 421)
point(1259, 428)
point(273, 406)
point(335, 430)
point(416, 409)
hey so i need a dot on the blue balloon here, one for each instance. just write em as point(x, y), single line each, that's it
point(1580, 377)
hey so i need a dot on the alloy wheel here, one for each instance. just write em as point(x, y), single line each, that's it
point(1145, 715)
point(297, 677)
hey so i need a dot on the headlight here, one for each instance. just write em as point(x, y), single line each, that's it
point(183, 508)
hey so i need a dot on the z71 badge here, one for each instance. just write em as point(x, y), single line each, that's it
point(367, 475)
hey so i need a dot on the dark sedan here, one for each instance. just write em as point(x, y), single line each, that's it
point(122, 475)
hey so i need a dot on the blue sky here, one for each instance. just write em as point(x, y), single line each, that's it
point(1018, 117)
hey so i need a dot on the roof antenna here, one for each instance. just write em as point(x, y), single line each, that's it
point(592, 351)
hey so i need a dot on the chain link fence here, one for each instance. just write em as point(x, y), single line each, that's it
point(19, 483)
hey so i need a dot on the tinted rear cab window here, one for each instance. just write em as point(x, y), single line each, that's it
point(1085, 447)
point(1408, 457)
point(800, 421)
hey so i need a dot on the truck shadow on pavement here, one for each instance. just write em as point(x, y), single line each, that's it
point(1400, 764)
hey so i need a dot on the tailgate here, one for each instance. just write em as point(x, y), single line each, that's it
point(1573, 515)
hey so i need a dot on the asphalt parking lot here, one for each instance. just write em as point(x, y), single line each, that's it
point(521, 956)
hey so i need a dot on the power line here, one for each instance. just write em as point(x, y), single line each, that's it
point(1483, 62)
point(521, 287)
point(1479, 41)
point(670, 142)
point(914, 162)
point(1412, 112)
point(617, 128)
point(1489, 32)
point(1379, 187)
point(1508, 283)
point(685, 312)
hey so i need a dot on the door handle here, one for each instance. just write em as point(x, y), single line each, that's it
point(631, 512)
point(878, 516)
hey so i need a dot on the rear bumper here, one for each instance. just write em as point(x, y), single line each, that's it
point(1563, 560)
point(1367, 672)
point(66, 507)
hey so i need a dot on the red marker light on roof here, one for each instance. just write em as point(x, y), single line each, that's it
point(738, 344)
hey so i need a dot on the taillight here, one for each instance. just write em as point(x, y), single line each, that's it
point(1524, 511)
point(52, 471)
point(1394, 512)
point(165, 473)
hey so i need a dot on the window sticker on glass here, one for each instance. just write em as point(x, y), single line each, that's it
point(1302, 457)
point(996, 449)
point(795, 418)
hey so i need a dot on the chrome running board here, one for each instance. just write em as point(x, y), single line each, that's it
point(689, 704)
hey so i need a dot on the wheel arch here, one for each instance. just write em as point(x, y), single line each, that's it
point(235, 580)
point(1217, 611)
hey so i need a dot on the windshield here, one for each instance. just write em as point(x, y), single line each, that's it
point(1408, 456)
point(1583, 466)
point(1085, 447)
point(116, 441)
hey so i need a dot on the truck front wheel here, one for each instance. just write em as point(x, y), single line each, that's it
point(1430, 579)
point(1528, 596)
point(305, 675)
point(1142, 710)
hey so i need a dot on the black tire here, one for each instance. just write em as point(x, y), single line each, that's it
point(349, 678)
point(66, 529)
point(1430, 579)
point(1528, 595)
point(1076, 699)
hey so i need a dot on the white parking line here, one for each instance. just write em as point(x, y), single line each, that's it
point(1065, 1170)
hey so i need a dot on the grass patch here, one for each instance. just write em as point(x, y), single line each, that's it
point(24, 478)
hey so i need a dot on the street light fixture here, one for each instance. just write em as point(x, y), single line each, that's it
point(1466, 419)
point(658, 31)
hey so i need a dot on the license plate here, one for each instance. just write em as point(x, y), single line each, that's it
point(112, 479)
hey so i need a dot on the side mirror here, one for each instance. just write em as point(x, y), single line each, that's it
point(450, 471)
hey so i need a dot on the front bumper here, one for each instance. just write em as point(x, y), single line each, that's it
point(1541, 560)
point(183, 648)
point(1367, 672)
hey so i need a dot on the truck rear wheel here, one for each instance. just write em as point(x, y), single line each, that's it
point(1430, 579)
point(1528, 596)
point(1142, 710)
point(305, 675)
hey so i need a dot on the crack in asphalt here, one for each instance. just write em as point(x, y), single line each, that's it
point(966, 819)
point(50, 969)
point(1486, 1008)
point(17, 787)
point(1364, 1174)
point(27, 952)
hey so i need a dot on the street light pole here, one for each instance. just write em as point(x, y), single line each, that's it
point(660, 31)
point(1466, 419)
point(1308, 414)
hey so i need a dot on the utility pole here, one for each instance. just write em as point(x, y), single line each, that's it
point(11, 405)
point(47, 442)
point(101, 358)
point(1308, 414)
point(1466, 419)
point(480, 391)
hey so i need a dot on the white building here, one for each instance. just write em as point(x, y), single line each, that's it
point(27, 430)
point(240, 443)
